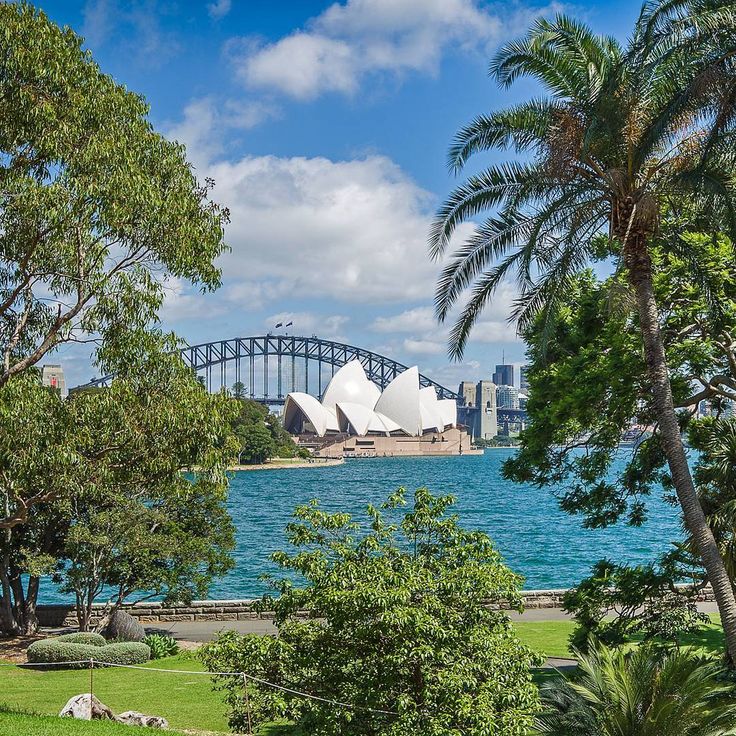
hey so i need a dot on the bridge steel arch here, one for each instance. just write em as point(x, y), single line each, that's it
point(249, 359)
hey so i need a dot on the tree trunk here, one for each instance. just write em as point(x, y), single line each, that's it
point(639, 267)
point(8, 624)
point(30, 615)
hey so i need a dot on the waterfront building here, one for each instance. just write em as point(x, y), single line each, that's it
point(507, 397)
point(53, 377)
point(504, 375)
point(479, 413)
point(355, 418)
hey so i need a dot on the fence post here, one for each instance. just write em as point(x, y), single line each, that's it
point(91, 684)
point(247, 703)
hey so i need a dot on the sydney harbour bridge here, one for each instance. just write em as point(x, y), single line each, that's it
point(270, 366)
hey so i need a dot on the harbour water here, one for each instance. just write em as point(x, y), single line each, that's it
point(538, 540)
point(548, 547)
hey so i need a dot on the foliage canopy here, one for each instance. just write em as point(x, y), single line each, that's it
point(397, 622)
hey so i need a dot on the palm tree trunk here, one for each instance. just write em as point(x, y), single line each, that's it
point(639, 267)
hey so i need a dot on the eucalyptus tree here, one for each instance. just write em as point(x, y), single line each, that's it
point(97, 210)
point(618, 132)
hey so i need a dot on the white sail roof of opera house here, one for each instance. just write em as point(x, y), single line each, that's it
point(355, 405)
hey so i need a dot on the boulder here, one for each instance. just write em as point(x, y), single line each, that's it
point(86, 707)
point(134, 718)
point(123, 627)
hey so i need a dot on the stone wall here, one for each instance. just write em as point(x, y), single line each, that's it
point(151, 612)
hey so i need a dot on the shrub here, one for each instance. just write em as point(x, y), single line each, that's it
point(640, 691)
point(127, 652)
point(399, 628)
point(123, 627)
point(63, 652)
point(53, 651)
point(161, 646)
point(83, 637)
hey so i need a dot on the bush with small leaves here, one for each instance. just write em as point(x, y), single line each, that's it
point(65, 653)
point(77, 655)
point(398, 628)
point(161, 646)
point(126, 652)
point(82, 637)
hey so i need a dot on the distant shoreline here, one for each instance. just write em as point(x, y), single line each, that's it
point(281, 463)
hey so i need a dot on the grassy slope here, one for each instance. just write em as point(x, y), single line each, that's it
point(186, 701)
point(18, 724)
point(552, 637)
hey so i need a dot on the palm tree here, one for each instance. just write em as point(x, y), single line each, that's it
point(639, 693)
point(618, 132)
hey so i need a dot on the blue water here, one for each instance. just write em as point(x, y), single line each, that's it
point(548, 547)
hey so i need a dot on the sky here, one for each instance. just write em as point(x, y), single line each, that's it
point(325, 127)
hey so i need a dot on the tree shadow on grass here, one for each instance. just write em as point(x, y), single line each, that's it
point(707, 640)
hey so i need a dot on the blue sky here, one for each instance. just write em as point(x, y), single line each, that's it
point(325, 127)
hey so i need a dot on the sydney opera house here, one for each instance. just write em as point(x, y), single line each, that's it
point(355, 418)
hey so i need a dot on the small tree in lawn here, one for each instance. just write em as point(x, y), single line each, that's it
point(136, 521)
point(399, 630)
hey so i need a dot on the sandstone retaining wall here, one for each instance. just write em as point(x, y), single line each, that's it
point(239, 610)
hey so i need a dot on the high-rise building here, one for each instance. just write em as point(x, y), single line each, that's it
point(524, 380)
point(53, 377)
point(507, 397)
point(504, 375)
point(468, 392)
point(487, 418)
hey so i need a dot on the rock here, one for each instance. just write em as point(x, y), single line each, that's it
point(123, 627)
point(134, 718)
point(79, 707)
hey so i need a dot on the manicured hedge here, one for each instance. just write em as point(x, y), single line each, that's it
point(83, 637)
point(61, 651)
point(126, 652)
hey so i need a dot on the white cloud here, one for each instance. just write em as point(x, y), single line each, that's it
point(302, 65)
point(354, 231)
point(352, 39)
point(219, 8)
point(427, 337)
point(183, 302)
point(419, 319)
point(424, 347)
point(206, 120)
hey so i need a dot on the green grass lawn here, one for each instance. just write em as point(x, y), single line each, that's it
point(186, 701)
point(551, 638)
point(23, 724)
point(548, 637)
